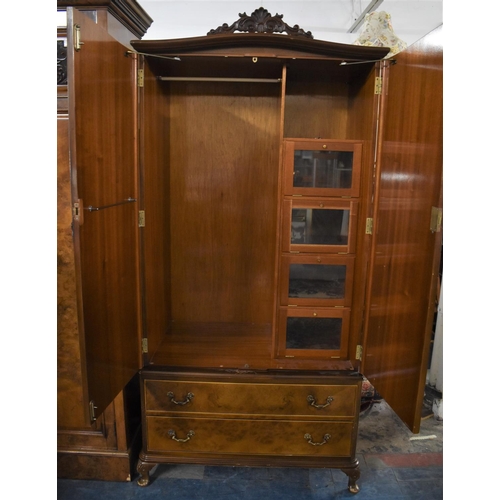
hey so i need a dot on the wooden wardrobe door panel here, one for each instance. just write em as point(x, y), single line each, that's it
point(402, 281)
point(104, 172)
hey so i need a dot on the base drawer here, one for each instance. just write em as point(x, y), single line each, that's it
point(245, 436)
point(307, 400)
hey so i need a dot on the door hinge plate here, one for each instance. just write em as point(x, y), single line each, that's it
point(378, 85)
point(436, 219)
point(144, 346)
point(140, 78)
point(369, 226)
point(77, 42)
point(359, 352)
point(142, 218)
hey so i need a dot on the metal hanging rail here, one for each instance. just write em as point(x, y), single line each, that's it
point(217, 79)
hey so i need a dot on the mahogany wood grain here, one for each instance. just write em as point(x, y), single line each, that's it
point(316, 103)
point(155, 201)
point(224, 152)
point(260, 44)
point(403, 259)
point(363, 111)
point(102, 102)
point(232, 346)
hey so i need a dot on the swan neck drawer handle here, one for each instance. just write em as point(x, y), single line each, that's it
point(171, 433)
point(188, 399)
point(312, 401)
point(308, 438)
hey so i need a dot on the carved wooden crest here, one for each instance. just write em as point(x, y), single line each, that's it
point(261, 22)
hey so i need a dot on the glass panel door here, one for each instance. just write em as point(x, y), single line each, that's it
point(319, 226)
point(316, 280)
point(314, 333)
point(322, 168)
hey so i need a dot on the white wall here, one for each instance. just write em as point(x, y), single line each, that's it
point(327, 19)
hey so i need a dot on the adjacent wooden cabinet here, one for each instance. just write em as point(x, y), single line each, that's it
point(239, 225)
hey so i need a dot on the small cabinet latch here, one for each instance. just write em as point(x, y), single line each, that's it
point(78, 212)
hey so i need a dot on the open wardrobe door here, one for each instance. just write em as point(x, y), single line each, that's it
point(407, 234)
point(103, 152)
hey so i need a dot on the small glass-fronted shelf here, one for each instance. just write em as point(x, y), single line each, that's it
point(324, 226)
point(316, 280)
point(313, 226)
point(322, 168)
point(313, 333)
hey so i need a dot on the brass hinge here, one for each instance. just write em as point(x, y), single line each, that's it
point(92, 409)
point(369, 226)
point(142, 218)
point(436, 219)
point(76, 38)
point(359, 351)
point(144, 346)
point(140, 78)
point(378, 85)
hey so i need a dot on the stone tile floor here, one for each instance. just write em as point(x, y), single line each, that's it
point(393, 466)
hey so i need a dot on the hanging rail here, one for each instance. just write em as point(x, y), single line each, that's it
point(90, 208)
point(217, 79)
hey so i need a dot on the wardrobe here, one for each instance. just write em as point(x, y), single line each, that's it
point(249, 222)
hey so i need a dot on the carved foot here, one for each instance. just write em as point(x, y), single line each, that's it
point(143, 469)
point(353, 475)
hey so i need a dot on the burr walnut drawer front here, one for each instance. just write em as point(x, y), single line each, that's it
point(245, 436)
point(308, 400)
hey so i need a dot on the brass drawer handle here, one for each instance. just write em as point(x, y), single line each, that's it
point(188, 399)
point(171, 433)
point(326, 438)
point(312, 401)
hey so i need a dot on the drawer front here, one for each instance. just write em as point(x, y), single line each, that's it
point(257, 399)
point(252, 437)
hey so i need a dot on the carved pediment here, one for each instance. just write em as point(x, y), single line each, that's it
point(261, 21)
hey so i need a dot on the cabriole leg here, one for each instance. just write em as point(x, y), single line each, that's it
point(143, 469)
point(353, 475)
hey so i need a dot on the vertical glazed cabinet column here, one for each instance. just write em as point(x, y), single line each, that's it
point(98, 314)
point(319, 223)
